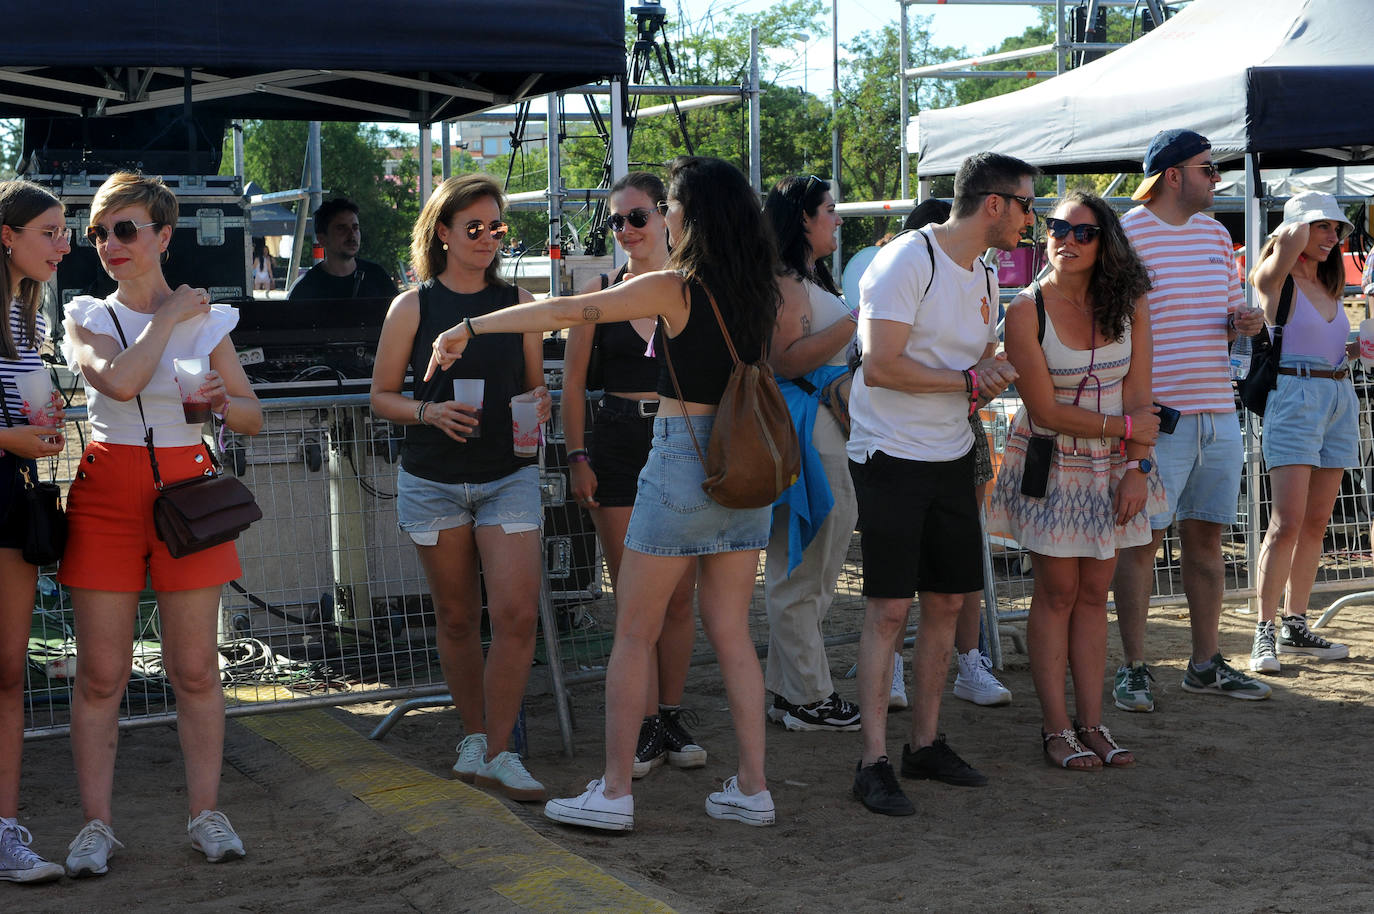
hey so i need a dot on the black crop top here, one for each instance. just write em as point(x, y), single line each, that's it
point(699, 353)
point(498, 358)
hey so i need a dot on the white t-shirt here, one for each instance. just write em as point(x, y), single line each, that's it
point(118, 422)
point(950, 327)
point(826, 309)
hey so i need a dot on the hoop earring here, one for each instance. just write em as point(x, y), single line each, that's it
point(445, 244)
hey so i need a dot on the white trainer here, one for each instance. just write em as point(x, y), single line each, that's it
point(975, 682)
point(471, 751)
point(91, 849)
point(896, 698)
point(213, 836)
point(18, 863)
point(507, 772)
point(751, 809)
point(592, 809)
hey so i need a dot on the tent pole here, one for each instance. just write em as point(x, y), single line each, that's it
point(620, 151)
point(905, 117)
point(551, 140)
point(446, 153)
point(316, 185)
point(426, 162)
point(836, 265)
point(755, 98)
point(1254, 231)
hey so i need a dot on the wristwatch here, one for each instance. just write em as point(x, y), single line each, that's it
point(1144, 465)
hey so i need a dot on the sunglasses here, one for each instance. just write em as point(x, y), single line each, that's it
point(811, 181)
point(662, 207)
point(637, 217)
point(476, 228)
point(1209, 167)
point(54, 235)
point(1027, 203)
point(1083, 232)
point(125, 230)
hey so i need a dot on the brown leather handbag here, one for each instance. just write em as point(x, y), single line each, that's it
point(753, 454)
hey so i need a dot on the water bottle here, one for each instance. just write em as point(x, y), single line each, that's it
point(1241, 351)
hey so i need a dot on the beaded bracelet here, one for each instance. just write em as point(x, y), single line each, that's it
point(420, 412)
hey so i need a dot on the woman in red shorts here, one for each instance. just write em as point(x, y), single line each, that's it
point(124, 347)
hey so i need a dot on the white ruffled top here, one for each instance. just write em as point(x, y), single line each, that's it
point(118, 422)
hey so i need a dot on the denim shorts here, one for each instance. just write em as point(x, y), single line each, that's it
point(1200, 465)
point(1311, 421)
point(424, 507)
point(673, 515)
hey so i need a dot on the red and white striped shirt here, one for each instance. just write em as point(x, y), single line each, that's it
point(1196, 287)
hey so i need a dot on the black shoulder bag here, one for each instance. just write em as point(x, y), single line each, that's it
point(45, 524)
point(1254, 388)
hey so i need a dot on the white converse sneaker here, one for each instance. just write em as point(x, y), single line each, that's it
point(91, 850)
point(17, 862)
point(507, 772)
point(896, 697)
point(751, 809)
point(471, 751)
point(213, 836)
point(593, 810)
point(976, 683)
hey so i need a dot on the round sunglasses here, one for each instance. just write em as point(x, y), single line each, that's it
point(476, 228)
point(1083, 232)
point(637, 217)
point(125, 230)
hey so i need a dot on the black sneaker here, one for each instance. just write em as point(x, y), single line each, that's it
point(651, 751)
point(832, 713)
point(683, 749)
point(779, 710)
point(1296, 638)
point(940, 763)
point(876, 787)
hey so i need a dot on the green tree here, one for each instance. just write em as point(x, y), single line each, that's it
point(11, 145)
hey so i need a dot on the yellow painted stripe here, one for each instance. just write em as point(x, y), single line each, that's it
point(512, 859)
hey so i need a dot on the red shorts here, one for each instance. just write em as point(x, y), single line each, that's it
point(112, 544)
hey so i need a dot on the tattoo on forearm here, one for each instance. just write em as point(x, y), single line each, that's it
point(806, 325)
point(591, 313)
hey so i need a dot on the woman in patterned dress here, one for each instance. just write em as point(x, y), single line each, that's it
point(1084, 377)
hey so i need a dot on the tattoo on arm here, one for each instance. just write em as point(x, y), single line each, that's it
point(591, 314)
point(806, 325)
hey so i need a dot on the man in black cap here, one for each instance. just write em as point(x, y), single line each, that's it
point(342, 273)
point(1197, 308)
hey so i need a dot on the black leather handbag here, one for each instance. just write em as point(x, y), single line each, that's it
point(45, 524)
point(1263, 377)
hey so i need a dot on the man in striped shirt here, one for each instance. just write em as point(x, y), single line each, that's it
point(1197, 307)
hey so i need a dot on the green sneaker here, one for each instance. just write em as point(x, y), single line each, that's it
point(1131, 691)
point(1222, 679)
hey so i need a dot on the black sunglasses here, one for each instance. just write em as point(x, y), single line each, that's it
point(811, 181)
point(662, 207)
point(637, 217)
point(1083, 232)
point(1209, 167)
point(476, 228)
point(125, 230)
point(1027, 203)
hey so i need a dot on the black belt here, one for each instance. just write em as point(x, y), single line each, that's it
point(640, 409)
point(1335, 375)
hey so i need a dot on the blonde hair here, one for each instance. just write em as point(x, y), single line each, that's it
point(128, 188)
point(457, 193)
point(21, 202)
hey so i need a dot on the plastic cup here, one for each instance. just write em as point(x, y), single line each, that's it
point(190, 376)
point(35, 391)
point(1367, 344)
point(469, 392)
point(524, 413)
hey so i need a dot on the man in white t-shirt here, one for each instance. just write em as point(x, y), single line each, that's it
point(927, 313)
point(1197, 307)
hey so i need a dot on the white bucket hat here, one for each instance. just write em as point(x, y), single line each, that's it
point(1314, 206)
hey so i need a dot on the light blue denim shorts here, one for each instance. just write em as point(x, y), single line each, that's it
point(1200, 465)
point(673, 515)
point(424, 507)
point(1311, 421)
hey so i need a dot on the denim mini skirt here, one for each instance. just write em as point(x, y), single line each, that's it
point(673, 515)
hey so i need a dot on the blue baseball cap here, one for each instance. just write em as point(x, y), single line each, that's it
point(1167, 149)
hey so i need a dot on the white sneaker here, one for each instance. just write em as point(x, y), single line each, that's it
point(730, 803)
point(471, 751)
point(976, 683)
point(213, 836)
point(91, 849)
point(593, 810)
point(507, 772)
point(896, 698)
point(17, 862)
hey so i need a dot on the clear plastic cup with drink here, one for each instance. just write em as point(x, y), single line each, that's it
point(190, 378)
point(524, 413)
point(1367, 345)
point(468, 392)
point(38, 401)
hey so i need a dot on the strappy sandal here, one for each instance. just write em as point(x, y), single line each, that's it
point(1076, 748)
point(1113, 752)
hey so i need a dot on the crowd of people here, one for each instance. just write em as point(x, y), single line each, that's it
point(1119, 353)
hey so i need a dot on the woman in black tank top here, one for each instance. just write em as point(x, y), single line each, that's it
point(719, 242)
point(603, 477)
point(463, 495)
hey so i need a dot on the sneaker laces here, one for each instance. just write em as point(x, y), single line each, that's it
point(215, 824)
point(941, 748)
point(673, 724)
point(1138, 677)
point(14, 843)
point(1265, 642)
point(1224, 670)
point(90, 837)
point(1298, 625)
point(882, 769)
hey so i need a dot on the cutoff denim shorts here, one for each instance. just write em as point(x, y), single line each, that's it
point(673, 515)
point(424, 507)
point(1200, 465)
point(1311, 421)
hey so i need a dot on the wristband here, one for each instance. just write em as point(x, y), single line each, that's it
point(578, 457)
point(968, 381)
point(575, 451)
point(467, 323)
point(1127, 436)
point(973, 383)
point(420, 412)
point(1103, 434)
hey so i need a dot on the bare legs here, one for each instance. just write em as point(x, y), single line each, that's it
point(1303, 499)
point(17, 581)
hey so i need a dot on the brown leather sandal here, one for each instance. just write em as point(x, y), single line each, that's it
point(1076, 751)
point(1110, 759)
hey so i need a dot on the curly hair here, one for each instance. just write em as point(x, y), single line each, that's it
point(1119, 276)
point(725, 246)
point(790, 200)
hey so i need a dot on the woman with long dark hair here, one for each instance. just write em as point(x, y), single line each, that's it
point(1311, 422)
point(34, 236)
point(604, 476)
point(720, 249)
point(1089, 423)
point(464, 497)
point(814, 519)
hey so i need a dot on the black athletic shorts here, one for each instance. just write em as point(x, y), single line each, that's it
point(920, 526)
